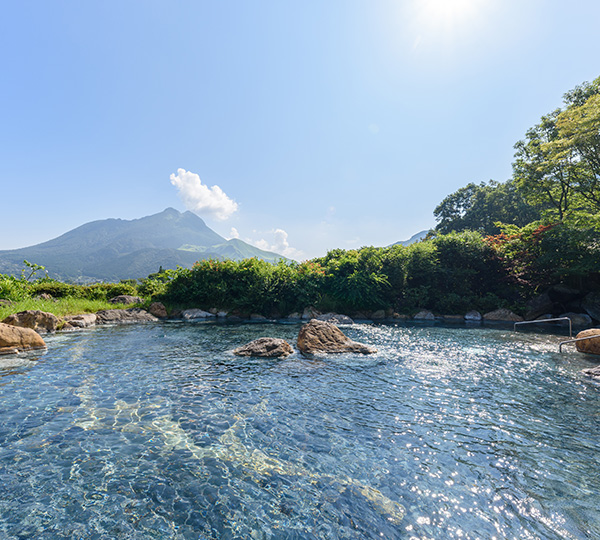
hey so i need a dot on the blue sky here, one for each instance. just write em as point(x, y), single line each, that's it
point(298, 126)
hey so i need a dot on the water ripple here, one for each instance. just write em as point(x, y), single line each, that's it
point(158, 431)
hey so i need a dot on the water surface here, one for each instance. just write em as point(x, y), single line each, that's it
point(158, 431)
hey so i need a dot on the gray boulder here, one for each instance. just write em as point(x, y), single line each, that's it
point(82, 320)
point(538, 306)
point(195, 314)
point(37, 320)
point(591, 304)
point(265, 347)
point(323, 337)
point(120, 316)
point(335, 318)
point(424, 315)
point(578, 319)
point(502, 315)
point(126, 299)
point(473, 316)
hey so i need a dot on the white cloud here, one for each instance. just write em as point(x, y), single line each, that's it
point(234, 233)
point(278, 244)
point(200, 198)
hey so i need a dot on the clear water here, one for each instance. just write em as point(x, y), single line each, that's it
point(158, 431)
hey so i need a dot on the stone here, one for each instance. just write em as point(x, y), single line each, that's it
point(502, 315)
point(120, 316)
point(323, 337)
point(193, 314)
point(577, 319)
point(424, 315)
point(265, 347)
point(473, 316)
point(594, 373)
point(378, 315)
point(37, 320)
point(158, 309)
point(310, 313)
point(44, 296)
point(82, 320)
point(453, 318)
point(335, 318)
point(538, 306)
point(16, 339)
point(400, 316)
point(257, 317)
point(126, 299)
point(5, 302)
point(589, 346)
point(562, 294)
point(294, 316)
point(222, 314)
point(591, 304)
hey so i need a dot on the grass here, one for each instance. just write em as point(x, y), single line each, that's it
point(59, 307)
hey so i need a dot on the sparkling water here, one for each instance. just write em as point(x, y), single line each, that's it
point(158, 431)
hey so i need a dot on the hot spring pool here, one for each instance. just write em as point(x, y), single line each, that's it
point(158, 432)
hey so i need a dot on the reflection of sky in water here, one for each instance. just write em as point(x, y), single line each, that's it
point(158, 431)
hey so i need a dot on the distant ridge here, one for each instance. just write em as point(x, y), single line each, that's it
point(115, 249)
point(414, 238)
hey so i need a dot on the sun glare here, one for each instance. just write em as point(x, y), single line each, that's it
point(448, 21)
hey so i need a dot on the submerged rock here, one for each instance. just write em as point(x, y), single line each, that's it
point(502, 315)
point(37, 320)
point(130, 315)
point(323, 337)
point(265, 347)
point(589, 346)
point(15, 339)
point(594, 373)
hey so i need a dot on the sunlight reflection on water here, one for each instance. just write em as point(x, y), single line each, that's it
point(158, 431)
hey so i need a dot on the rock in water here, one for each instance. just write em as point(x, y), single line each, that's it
point(589, 346)
point(130, 315)
point(323, 337)
point(83, 320)
point(37, 320)
point(265, 347)
point(15, 338)
point(502, 315)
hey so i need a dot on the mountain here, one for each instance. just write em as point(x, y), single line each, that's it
point(114, 249)
point(414, 238)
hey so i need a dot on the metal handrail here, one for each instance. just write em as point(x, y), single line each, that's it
point(596, 336)
point(548, 320)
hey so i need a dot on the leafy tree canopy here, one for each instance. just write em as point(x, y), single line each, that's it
point(479, 207)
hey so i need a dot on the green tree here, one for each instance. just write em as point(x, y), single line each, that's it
point(557, 165)
point(478, 207)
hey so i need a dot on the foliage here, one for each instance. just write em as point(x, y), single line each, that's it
point(478, 207)
point(557, 165)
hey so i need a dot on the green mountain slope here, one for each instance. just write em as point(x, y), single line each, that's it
point(115, 249)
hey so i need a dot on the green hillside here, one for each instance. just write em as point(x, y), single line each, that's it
point(115, 249)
